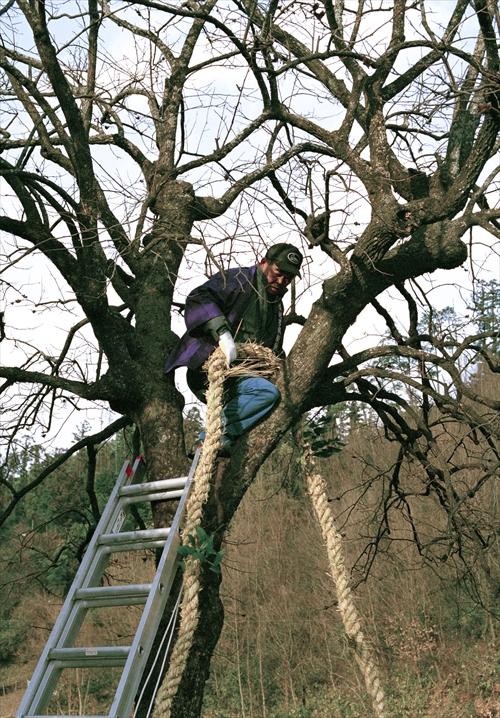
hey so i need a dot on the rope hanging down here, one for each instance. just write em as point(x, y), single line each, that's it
point(256, 360)
point(351, 619)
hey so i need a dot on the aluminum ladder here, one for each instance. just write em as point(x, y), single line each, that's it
point(86, 593)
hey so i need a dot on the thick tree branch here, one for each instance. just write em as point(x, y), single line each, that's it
point(93, 439)
point(92, 391)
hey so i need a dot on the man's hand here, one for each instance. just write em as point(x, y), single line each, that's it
point(226, 343)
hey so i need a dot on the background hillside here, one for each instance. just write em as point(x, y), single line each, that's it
point(430, 611)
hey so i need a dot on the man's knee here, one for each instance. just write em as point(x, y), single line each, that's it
point(271, 391)
point(264, 390)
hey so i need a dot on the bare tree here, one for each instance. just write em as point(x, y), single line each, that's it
point(136, 132)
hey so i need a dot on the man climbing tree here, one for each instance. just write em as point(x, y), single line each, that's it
point(136, 134)
point(243, 304)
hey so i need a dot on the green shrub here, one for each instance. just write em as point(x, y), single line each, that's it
point(12, 635)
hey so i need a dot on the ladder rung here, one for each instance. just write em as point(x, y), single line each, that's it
point(89, 657)
point(152, 486)
point(131, 540)
point(71, 716)
point(156, 496)
point(99, 596)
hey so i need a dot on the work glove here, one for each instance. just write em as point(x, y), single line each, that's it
point(226, 343)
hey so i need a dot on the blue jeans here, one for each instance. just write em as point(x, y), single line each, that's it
point(247, 401)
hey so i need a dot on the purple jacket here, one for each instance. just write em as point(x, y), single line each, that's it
point(225, 293)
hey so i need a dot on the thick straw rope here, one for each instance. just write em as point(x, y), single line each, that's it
point(255, 360)
point(363, 652)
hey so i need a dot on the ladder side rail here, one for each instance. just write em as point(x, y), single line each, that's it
point(98, 565)
point(117, 515)
point(37, 686)
point(153, 611)
point(41, 698)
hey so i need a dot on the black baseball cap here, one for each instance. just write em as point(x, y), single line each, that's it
point(286, 256)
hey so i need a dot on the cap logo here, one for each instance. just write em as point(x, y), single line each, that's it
point(293, 258)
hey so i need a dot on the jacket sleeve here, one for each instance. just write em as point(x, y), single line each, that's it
point(212, 300)
point(215, 327)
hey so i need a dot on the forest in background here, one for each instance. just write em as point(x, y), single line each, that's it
point(430, 603)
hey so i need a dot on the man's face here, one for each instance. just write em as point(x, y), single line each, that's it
point(277, 281)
